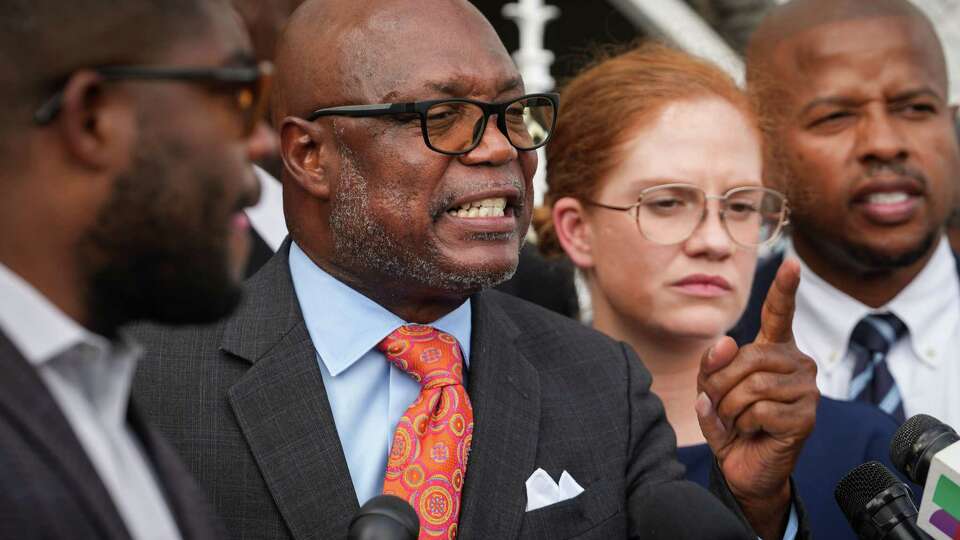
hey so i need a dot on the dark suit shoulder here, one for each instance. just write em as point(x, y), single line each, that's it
point(565, 351)
point(866, 430)
point(180, 374)
point(188, 340)
point(854, 415)
point(538, 325)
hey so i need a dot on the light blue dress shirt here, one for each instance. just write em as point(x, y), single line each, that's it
point(367, 394)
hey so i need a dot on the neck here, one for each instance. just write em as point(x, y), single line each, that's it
point(871, 287)
point(412, 303)
point(674, 362)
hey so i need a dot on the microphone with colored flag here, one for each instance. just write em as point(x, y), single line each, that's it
point(927, 451)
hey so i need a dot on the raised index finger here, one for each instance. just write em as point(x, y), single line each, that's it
point(776, 317)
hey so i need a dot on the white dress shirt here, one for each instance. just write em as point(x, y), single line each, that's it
point(367, 393)
point(89, 378)
point(925, 364)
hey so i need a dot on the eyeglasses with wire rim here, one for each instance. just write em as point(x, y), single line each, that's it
point(667, 214)
point(455, 126)
point(249, 84)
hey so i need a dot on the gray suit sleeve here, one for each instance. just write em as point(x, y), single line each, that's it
point(653, 444)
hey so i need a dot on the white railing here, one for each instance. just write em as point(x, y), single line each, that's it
point(534, 61)
point(679, 24)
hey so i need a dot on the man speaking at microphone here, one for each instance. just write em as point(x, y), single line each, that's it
point(371, 357)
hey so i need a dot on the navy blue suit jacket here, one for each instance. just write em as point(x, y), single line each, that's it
point(846, 435)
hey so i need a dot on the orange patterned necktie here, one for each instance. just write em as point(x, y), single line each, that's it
point(428, 457)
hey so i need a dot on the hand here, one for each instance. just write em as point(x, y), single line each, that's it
point(757, 405)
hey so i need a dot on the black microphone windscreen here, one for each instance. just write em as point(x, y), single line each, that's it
point(901, 447)
point(385, 517)
point(860, 486)
point(917, 442)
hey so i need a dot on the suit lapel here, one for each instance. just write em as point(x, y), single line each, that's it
point(26, 401)
point(505, 392)
point(283, 411)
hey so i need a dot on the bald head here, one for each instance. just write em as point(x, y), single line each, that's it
point(858, 94)
point(786, 24)
point(335, 52)
point(368, 198)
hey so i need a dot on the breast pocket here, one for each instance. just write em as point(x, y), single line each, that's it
point(591, 510)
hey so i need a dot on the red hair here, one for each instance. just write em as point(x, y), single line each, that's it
point(605, 103)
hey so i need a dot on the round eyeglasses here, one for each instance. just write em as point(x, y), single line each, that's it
point(455, 126)
point(670, 213)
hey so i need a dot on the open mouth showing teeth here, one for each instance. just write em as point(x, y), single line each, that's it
point(495, 207)
point(892, 197)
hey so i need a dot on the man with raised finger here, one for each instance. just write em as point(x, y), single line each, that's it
point(372, 358)
point(863, 144)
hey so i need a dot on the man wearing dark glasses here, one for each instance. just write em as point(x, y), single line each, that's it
point(127, 140)
point(370, 356)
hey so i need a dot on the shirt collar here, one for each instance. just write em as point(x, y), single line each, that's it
point(38, 329)
point(344, 325)
point(929, 306)
point(46, 336)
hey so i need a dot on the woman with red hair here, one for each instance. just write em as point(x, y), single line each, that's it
point(655, 193)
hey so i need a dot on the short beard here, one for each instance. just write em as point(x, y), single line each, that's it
point(147, 259)
point(361, 242)
point(851, 254)
point(869, 261)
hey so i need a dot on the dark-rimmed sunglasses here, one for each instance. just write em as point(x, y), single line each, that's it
point(250, 86)
point(455, 126)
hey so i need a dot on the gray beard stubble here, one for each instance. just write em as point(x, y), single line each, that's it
point(361, 242)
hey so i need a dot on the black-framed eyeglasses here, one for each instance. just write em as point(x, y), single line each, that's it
point(667, 214)
point(455, 126)
point(250, 86)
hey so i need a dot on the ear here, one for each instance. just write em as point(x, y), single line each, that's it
point(573, 231)
point(308, 151)
point(98, 129)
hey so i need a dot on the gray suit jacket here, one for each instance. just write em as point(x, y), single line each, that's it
point(244, 403)
point(50, 490)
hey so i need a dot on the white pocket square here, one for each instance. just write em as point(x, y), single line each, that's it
point(543, 491)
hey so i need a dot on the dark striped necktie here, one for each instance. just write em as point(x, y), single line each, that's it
point(871, 381)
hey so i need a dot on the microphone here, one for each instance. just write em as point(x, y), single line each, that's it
point(385, 517)
point(927, 451)
point(878, 505)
